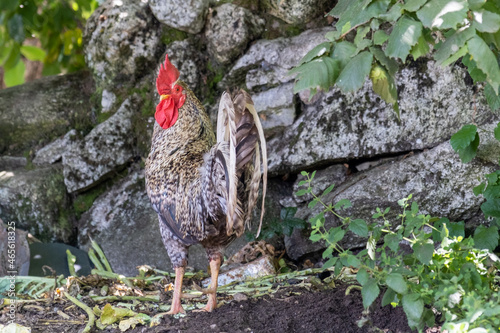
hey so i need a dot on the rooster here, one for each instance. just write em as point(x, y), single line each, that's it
point(203, 187)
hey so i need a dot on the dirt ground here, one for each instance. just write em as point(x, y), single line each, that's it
point(294, 309)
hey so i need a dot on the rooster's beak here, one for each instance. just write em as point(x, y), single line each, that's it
point(162, 97)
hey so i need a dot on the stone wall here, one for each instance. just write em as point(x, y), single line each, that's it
point(73, 146)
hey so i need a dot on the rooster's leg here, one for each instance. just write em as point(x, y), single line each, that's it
point(212, 290)
point(176, 298)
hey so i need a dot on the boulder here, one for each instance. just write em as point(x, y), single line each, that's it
point(339, 127)
point(122, 41)
point(440, 184)
point(36, 200)
point(37, 112)
point(297, 11)
point(104, 150)
point(54, 151)
point(188, 16)
point(229, 30)
point(184, 55)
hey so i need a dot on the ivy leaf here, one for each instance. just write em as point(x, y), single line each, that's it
point(32, 53)
point(485, 60)
point(453, 44)
point(443, 14)
point(15, 75)
point(486, 238)
point(423, 252)
point(413, 306)
point(464, 137)
point(486, 21)
point(396, 282)
point(15, 27)
point(405, 34)
point(370, 292)
point(317, 51)
point(353, 75)
point(319, 73)
point(359, 227)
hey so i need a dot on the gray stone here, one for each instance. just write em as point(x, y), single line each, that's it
point(121, 41)
point(105, 149)
point(342, 126)
point(183, 55)
point(267, 62)
point(54, 151)
point(297, 11)
point(107, 100)
point(275, 107)
point(188, 16)
point(440, 184)
point(12, 162)
point(37, 201)
point(37, 112)
point(229, 30)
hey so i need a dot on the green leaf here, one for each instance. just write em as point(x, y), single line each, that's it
point(342, 204)
point(353, 13)
point(370, 292)
point(301, 192)
point(486, 238)
point(453, 44)
point(15, 75)
point(468, 153)
point(491, 97)
point(328, 190)
point(379, 37)
point(405, 34)
point(315, 237)
point(479, 189)
point(476, 4)
point(443, 14)
point(393, 14)
point(413, 306)
point(423, 252)
point(320, 73)
point(496, 132)
point(413, 5)
point(359, 227)
point(362, 276)
point(491, 207)
point(33, 53)
point(383, 84)
point(343, 52)
point(317, 51)
point(312, 204)
point(353, 261)
point(462, 52)
point(15, 27)
point(396, 282)
point(392, 241)
point(335, 235)
point(456, 229)
point(330, 262)
point(486, 21)
point(390, 65)
point(360, 35)
point(355, 72)
point(389, 297)
point(464, 137)
point(420, 49)
point(485, 60)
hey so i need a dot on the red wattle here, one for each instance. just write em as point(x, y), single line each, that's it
point(166, 113)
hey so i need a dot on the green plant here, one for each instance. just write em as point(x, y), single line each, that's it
point(282, 226)
point(56, 24)
point(444, 270)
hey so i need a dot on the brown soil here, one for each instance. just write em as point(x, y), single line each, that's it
point(288, 310)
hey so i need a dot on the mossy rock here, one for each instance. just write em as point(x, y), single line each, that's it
point(37, 112)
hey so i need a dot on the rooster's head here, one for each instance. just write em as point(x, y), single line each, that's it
point(171, 95)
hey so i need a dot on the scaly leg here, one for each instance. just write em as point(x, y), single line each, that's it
point(212, 290)
point(176, 298)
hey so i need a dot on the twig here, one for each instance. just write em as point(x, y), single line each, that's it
point(126, 298)
point(89, 311)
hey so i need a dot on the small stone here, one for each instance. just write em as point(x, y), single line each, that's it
point(107, 100)
point(188, 16)
point(53, 152)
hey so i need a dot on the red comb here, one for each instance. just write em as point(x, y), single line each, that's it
point(166, 77)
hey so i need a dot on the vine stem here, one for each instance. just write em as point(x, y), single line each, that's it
point(83, 306)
